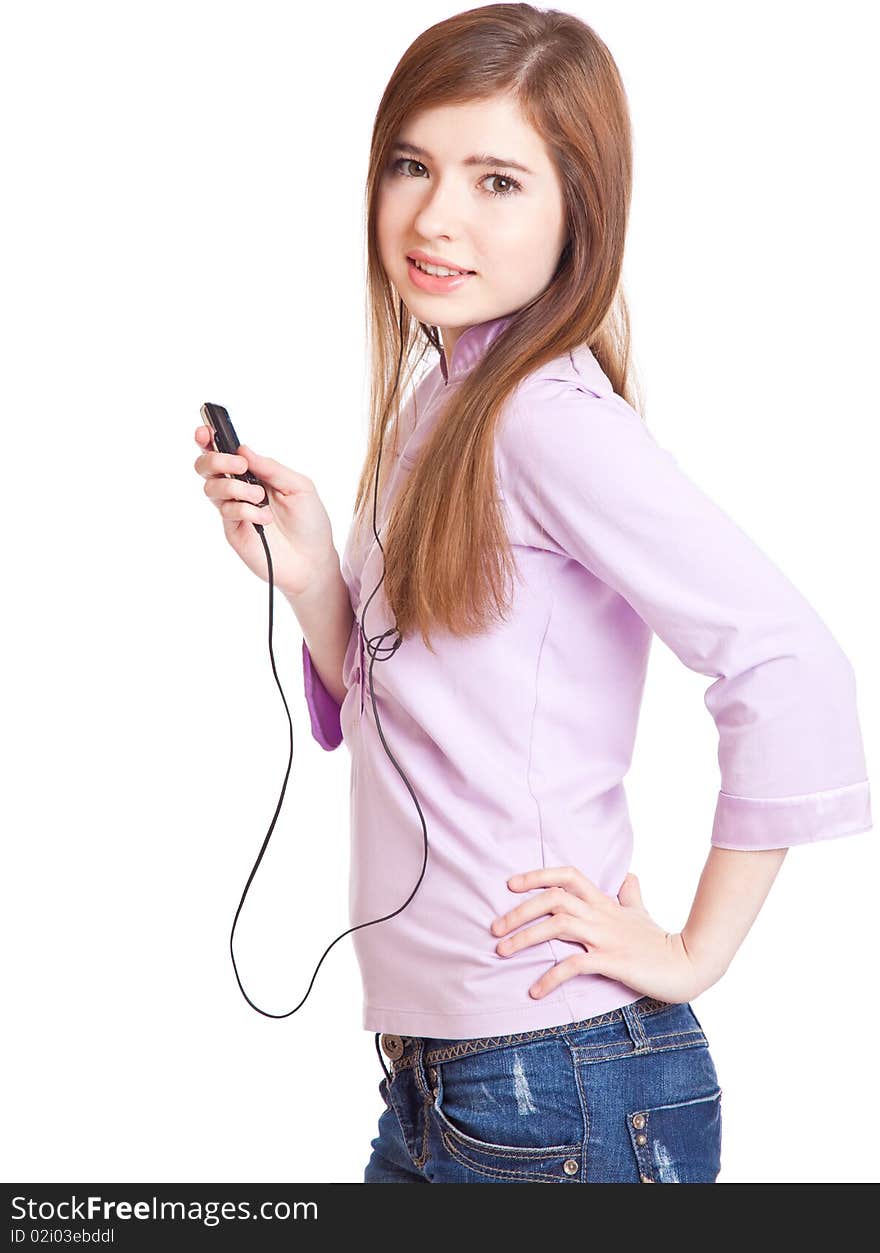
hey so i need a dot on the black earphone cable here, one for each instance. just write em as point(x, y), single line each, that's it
point(373, 645)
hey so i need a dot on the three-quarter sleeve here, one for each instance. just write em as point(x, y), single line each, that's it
point(595, 486)
point(323, 708)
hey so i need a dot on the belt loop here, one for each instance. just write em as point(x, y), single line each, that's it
point(634, 1026)
point(422, 1083)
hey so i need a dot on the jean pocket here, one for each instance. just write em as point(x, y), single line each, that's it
point(512, 1113)
point(678, 1142)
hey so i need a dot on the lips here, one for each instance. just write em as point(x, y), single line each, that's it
point(418, 255)
point(436, 284)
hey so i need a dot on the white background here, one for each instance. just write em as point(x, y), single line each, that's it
point(184, 222)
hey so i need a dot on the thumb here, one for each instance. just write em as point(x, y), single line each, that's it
point(630, 892)
point(273, 473)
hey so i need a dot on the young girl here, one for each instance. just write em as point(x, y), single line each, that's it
point(484, 660)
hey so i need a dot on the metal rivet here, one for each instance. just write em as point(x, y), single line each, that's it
point(638, 1120)
point(392, 1046)
point(645, 1179)
point(641, 1139)
point(570, 1166)
point(436, 1092)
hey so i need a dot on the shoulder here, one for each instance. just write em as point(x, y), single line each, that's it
point(567, 416)
point(578, 367)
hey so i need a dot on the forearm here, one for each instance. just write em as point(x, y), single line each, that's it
point(732, 888)
point(326, 617)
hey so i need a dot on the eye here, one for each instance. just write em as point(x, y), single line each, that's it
point(513, 185)
point(395, 165)
point(505, 178)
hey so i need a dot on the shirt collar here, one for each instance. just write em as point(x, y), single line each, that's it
point(578, 366)
point(471, 346)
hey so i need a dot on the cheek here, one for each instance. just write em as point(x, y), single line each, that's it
point(525, 250)
point(390, 221)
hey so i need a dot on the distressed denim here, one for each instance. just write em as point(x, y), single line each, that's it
point(627, 1096)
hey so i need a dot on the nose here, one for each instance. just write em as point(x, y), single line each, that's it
point(439, 215)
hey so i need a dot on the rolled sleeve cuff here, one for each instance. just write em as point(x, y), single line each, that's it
point(323, 708)
point(744, 822)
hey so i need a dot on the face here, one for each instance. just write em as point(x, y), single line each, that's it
point(441, 196)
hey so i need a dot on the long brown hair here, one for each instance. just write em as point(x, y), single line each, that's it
point(447, 554)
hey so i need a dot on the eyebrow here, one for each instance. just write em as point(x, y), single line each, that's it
point(477, 159)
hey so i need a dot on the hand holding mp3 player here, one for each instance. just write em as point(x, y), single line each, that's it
point(225, 440)
point(253, 492)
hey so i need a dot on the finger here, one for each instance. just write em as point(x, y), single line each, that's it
point(219, 463)
point(577, 964)
point(204, 437)
point(278, 476)
point(568, 877)
point(548, 901)
point(218, 488)
point(560, 927)
point(240, 511)
point(630, 893)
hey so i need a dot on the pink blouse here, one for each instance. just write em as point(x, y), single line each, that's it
point(517, 742)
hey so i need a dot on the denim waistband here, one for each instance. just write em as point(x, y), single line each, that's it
point(401, 1049)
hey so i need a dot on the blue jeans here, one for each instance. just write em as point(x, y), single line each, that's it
point(628, 1096)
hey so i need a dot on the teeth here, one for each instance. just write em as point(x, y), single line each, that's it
point(438, 270)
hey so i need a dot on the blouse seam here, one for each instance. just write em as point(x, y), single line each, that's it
point(471, 1013)
point(833, 833)
point(800, 796)
point(562, 988)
